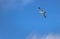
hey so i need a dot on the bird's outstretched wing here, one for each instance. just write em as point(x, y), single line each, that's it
point(44, 15)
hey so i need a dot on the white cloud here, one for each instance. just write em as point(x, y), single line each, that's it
point(27, 1)
point(14, 3)
point(48, 36)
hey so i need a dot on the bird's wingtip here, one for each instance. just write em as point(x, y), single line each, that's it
point(44, 16)
point(38, 7)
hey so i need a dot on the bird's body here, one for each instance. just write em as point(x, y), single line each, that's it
point(42, 12)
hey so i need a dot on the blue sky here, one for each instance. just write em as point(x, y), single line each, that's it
point(19, 18)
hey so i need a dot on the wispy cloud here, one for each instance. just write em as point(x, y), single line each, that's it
point(27, 1)
point(14, 3)
point(48, 36)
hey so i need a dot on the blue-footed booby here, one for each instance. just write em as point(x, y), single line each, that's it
point(42, 12)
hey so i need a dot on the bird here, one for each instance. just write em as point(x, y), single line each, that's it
point(42, 12)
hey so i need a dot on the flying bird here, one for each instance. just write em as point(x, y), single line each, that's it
point(42, 12)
